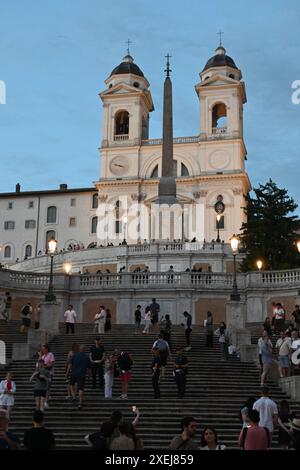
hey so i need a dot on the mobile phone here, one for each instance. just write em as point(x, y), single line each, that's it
point(134, 409)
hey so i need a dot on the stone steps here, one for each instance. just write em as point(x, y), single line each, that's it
point(215, 390)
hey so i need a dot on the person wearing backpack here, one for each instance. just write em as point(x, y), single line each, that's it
point(164, 351)
point(254, 437)
point(25, 317)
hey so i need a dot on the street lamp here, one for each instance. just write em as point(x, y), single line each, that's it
point(67, 268)
point(50, 297)
point(125, 222)
point(259, 264)
point(234, 242)
point(218, 228)
point(298, 246)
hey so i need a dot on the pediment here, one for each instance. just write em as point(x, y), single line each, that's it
point(120, 88)
point(218, 80)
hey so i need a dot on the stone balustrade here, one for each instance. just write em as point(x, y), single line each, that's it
point(94, 256)
point(209, 280)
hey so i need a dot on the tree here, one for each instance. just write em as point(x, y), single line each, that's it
point(270, 232)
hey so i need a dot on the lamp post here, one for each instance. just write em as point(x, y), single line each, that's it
point(125, 224)
point(259, 264)
point(234, 241)
point(50, 297)
point(218, 228)
point(67, 268)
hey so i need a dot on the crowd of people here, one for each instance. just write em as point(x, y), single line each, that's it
point(259, 416)
point(285, 352)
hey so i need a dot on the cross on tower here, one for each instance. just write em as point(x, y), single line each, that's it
point(220, 34)
point(168, 70)
point(128, 42)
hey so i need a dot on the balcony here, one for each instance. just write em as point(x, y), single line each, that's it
point(121, 137)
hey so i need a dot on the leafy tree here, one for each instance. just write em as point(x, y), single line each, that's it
point(270, 231)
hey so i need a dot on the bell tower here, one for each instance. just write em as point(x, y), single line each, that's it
point(222, 95)
point(127, 103)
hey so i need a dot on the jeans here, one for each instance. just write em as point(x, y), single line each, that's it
point(109, 380)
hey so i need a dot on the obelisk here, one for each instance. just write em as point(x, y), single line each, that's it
point(167, 184)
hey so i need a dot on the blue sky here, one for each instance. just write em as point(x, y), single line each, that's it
point(55, 56)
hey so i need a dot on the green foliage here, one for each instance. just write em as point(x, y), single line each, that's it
point(270, 231)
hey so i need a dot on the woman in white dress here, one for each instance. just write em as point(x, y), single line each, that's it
point(7, 391)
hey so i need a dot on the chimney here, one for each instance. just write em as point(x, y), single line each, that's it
point(63, 187)
point(18, 188)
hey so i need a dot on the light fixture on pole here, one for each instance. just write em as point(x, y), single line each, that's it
point(50, 297)
point(67, 268)
point(259, 264)
point(218, 228)
point(234, 242)
point(125, 224)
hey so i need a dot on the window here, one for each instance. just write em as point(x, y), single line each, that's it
point(30, 223)
point(73, 202)
point(122, 123)
point(72, 222)
point(9, 225)
point(219, 118)
point(95, 201)
point(30, 204)
point(10, 205)
point(94, 224)
point(28, 251)
point(184, 170)
point(118, 226)
point(51, 215)
point(154, 173)
point(50, 234)
point(7, 252)
point(221, 223)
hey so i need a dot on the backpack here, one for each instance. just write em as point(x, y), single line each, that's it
point(245, 430)
point(160, 344)
point(25, 310)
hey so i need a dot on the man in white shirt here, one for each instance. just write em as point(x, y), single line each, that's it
point(70, 318)
point(268, 412)
point(283, 346)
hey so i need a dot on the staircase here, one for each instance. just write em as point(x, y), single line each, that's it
point(215, 389)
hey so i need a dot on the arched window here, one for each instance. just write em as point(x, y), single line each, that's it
point(50, 234)
point(95, 201)
point(28, 251)
point(184, 170)
point(219, 119)
point(51, 215)
point(154, 173)
point(122, 123)
point(94, 225)
point(7, 252)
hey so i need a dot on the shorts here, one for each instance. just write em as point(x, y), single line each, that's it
point(163, 357)
point(79, 380)
point(125, 377)
point(26, 321)
point(40, 393)
point(284, 361)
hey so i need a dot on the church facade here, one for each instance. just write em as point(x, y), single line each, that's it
point(209, 170)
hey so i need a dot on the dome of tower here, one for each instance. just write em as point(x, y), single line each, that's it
point(220, 60)
point(127, 66)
